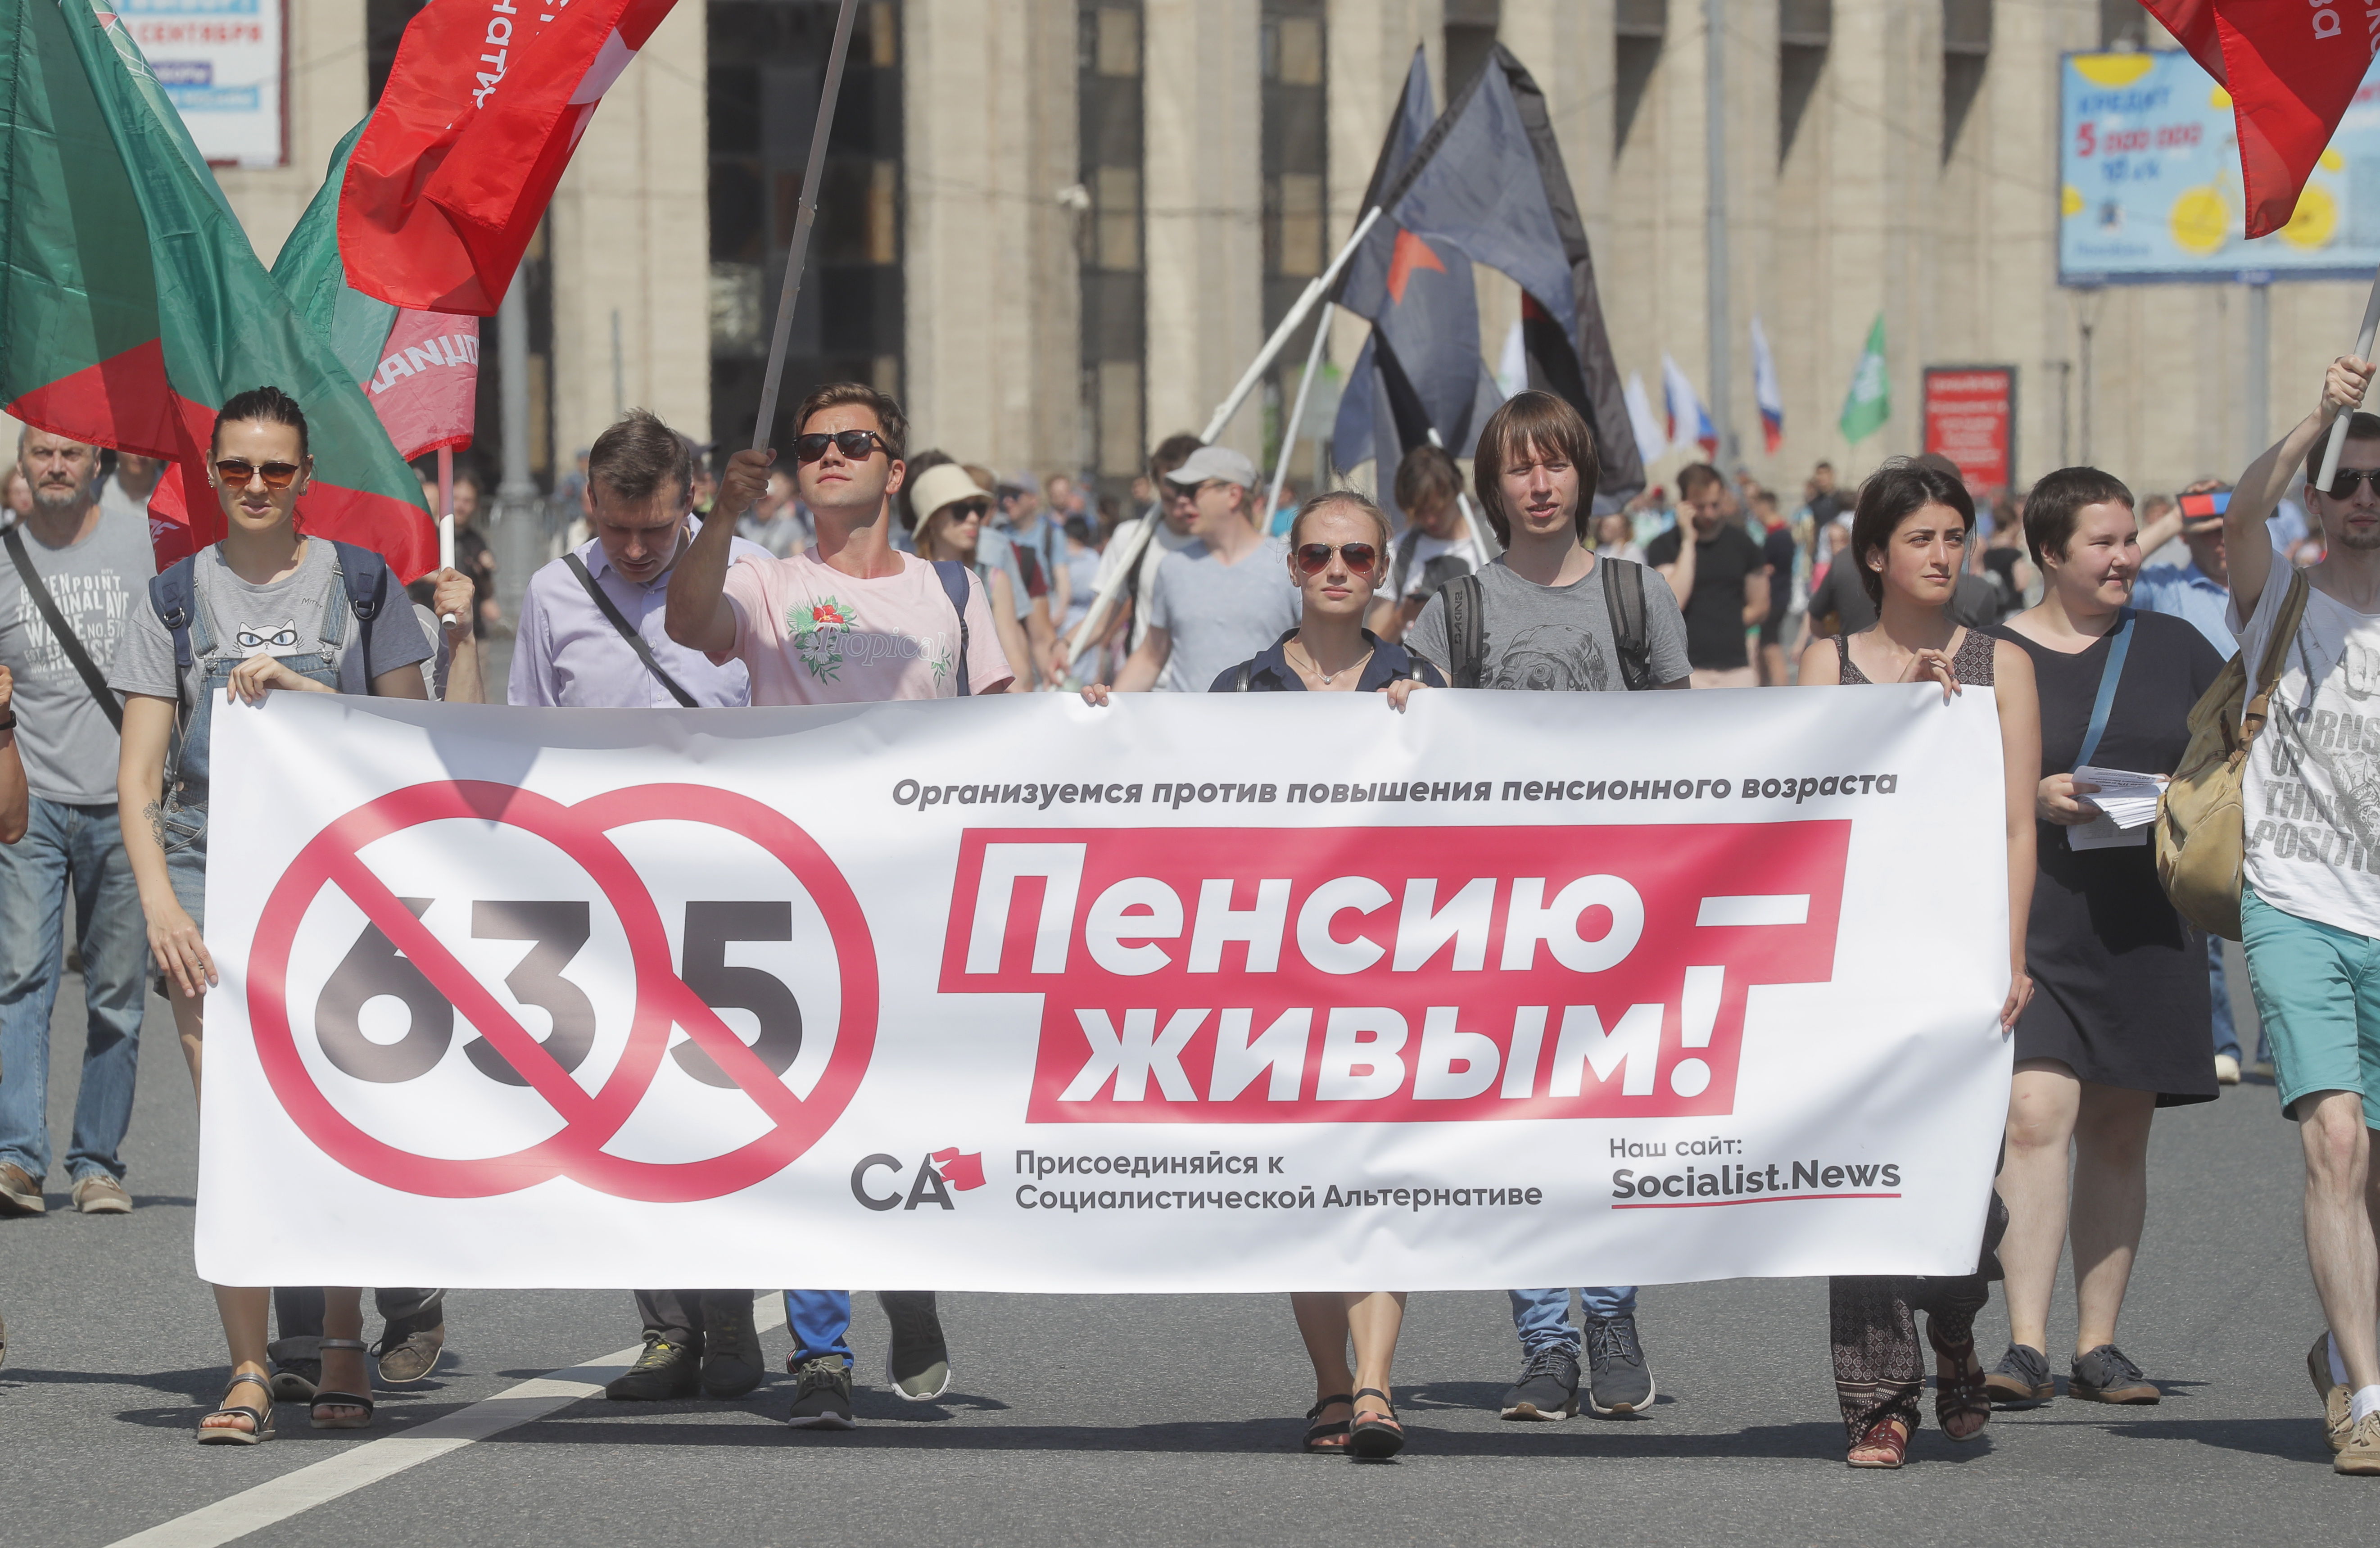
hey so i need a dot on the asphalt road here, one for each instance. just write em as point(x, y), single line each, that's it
point(1171, 1420)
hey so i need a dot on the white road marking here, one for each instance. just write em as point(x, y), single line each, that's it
point(1783, 908)
point(277, 1500)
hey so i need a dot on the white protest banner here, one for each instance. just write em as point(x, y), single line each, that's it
point(224, 65)
point(1199, 993)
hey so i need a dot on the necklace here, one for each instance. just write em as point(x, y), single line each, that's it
point(1328, 677)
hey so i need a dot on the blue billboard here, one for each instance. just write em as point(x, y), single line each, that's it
point(2148, 167)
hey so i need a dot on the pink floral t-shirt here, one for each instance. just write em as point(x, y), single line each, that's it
point(809, 634)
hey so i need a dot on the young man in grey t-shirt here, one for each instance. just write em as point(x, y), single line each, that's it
point(1224, 598)
point(92, 563)
point(1546, 626)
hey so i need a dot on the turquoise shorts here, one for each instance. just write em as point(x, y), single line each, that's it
point(2317, 988)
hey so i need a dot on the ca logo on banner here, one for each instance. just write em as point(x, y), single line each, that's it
point(1234, 975)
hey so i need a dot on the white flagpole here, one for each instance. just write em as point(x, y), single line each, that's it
point(446, 516)
point(1297, 412)
point(1280, 335)
point(2363, 340)
point(797, 252)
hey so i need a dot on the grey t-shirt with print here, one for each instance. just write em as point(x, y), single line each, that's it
point(285, 618)
point(1556, 638)
point(69, 748)
point(1220, 615)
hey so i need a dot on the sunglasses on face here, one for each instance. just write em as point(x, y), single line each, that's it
point(236, 471)
point(2343, 486)
point(978, 509)
point(1314, 557)
point(856, 446)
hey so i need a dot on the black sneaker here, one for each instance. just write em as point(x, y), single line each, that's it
point(732, 1361)
point(823, 1398)
point(1548, 1387)
point(664, 1371)
point(2105, 1375)
point(918, 1363)
point(2022, 1376)
point(1618, 1379)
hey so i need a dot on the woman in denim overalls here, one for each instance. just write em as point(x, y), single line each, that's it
point(258, 468)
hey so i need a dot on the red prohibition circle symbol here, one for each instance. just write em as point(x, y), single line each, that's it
point(334, 860)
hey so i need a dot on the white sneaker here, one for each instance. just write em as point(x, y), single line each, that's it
point(2226, 1070)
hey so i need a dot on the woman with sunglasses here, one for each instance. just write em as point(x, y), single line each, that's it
point(1908, 545)
point(269, 611)
point(953, 508)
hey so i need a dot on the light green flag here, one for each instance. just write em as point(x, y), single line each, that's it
point(1869, 403)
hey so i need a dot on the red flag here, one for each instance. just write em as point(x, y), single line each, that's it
point(2292, 70)
point(486, 103)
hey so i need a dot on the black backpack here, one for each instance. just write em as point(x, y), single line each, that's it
point(1623, 596)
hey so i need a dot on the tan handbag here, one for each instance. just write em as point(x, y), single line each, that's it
point(2202, 830)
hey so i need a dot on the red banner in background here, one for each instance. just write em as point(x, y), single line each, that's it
point(1971, 419)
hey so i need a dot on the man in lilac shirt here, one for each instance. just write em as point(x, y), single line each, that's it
point(570, 654)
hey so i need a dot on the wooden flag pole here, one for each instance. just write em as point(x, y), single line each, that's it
point(807, 215)
point(446, 516)
point(2363, 340)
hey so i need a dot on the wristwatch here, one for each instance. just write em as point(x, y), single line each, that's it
point(9, 724)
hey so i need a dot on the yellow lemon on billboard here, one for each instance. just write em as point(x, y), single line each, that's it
point(2113, 69)
point(2069, 200)
point(2315, 219)
point(2200, 220)
point(2331, 160)
point(2219, 98)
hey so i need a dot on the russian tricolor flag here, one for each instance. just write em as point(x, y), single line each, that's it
point(1689, 421)
point(1764, 389)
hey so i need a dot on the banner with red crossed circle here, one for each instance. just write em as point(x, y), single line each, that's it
point(1189, 994)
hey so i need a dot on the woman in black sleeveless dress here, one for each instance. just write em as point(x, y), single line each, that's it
point(1909, 539)
point(2121, 1025)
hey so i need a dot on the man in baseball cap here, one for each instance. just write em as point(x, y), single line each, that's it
point(1224, 598)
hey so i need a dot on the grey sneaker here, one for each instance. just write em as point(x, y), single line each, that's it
point(2338, 1402)
point(2106, 1375)
point(917, 1362)
point(1548, 1386)
point(1617, 1381)
point(822, 1397)
point(20, 1191)
point(101, 1194)
point(2022, 1376)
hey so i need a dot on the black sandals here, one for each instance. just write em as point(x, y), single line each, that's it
point(326, 1398)
point(260, 1420)
point(1375, 1437)
point(1327, 1437)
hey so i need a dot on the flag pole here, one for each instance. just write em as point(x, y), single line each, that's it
point(1280, 335)
point(798, 250)
point(2363, 340)
point(1297, 412)
point(446, 516)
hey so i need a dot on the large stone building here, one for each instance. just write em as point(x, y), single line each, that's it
point(1061, 228)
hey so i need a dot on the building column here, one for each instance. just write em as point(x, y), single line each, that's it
point(1203, 192)
point(993, 311)
point(629, 231)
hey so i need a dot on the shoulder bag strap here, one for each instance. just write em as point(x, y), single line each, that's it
point(93, 677)
point(2109, 675)
point(2277, 655)
point(636, 641)
point(1466, 631)
point(954, 586)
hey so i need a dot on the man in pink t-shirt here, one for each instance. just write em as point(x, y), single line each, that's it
point(851, 620)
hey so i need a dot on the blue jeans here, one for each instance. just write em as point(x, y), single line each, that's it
point(1542, 1317)
point(81, 847)
point(819, 1322)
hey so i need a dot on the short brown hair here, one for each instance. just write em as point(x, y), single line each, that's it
point(1170, 453)
point(1543, 423)
point(2360, 426)
point(2058, 499)
point(1428, 475)
point(635, 458)
point(890, 422)
point(1694, 475)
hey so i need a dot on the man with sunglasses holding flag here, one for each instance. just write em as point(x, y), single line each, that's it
point(850, 620)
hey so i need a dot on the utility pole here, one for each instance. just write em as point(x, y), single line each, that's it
point(1722, 364)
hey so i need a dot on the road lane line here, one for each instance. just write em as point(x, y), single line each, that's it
point(294, 1493)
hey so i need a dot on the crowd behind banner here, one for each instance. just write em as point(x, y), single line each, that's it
point(845, 566)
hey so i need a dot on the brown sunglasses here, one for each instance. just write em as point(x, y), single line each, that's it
point(236, 473)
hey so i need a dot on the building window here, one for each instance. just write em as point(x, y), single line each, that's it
point(1639, 26)
point(1470, 36)
point(1966, 49)
point(1805, 30)
point(1114, 326)
point(1296, 224)
point(767, 68)
point(2123, 25)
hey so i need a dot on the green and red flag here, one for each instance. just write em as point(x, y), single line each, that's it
point(132, 306)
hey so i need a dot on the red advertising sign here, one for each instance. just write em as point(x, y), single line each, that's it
point(1971, 419)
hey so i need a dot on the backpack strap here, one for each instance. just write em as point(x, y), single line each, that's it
point(60, 630)
point(1623, 598)
point(954, 586)
point(365, 576)
point(1466, 629)
point(1242, 675)
point(173, 592)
